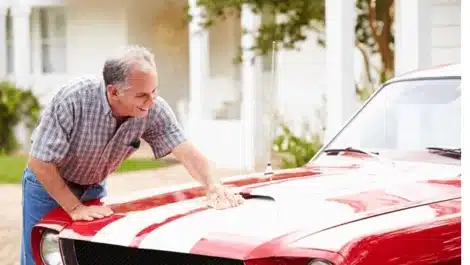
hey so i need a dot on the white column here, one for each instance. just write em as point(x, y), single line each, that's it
point(21, 42)
point(251, 72)
point(341, 96)
point(413, 41)
point(198, 68)
point(3, 39)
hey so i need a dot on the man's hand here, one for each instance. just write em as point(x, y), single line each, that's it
point(49, 177)
point(220, 197)
point(89, 213)
point(196, 163)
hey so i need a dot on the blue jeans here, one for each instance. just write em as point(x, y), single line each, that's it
point(37, 202)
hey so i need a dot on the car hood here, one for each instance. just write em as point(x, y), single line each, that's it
point(282, 210)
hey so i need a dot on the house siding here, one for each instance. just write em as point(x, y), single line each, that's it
point(446, 36)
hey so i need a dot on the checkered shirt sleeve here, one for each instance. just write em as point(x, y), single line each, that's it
point(50, 141)
point(164, 132)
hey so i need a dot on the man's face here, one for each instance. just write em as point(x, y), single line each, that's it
point(139, 97)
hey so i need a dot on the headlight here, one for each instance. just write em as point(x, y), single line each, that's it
point(49, 247)
point(319, 262)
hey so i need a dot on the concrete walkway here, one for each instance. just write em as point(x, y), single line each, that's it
point(118, 184)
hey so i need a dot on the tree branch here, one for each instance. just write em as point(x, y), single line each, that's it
point(365, 57)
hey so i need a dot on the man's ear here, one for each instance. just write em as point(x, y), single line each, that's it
point(113, 92)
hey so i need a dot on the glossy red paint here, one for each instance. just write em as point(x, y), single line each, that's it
point(187, 194)
point(453, 182)
point(59, 217)
point(424, 244)
point(277, 250)
point(35, 243)
point(366, 204)
point(447, 207)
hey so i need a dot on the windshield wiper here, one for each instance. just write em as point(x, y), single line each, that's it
point(350, 149)
point(450, 152)
point(356, 150)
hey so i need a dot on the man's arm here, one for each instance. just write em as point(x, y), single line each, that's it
point(53, 183)
point(50, 145)
point(165, 136)
point(196, 164)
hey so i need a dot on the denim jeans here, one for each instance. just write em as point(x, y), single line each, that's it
point(37, 202)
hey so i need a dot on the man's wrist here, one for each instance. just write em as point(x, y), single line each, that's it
point(73, 207)
point(210, 187)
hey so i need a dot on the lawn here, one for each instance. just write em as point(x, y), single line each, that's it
point(11, 167)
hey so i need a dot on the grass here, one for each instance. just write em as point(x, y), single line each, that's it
point(11, 167)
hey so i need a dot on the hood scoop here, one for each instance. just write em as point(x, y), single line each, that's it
point(247, 195)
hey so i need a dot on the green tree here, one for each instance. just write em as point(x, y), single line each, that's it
point(373, 28)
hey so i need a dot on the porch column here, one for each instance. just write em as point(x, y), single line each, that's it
point(413, 41)
point(341, 95)
point(3, 41)
point(21, 42)
point(251, 73)
point(198, 68)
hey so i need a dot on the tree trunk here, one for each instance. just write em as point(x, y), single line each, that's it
point(383, 35)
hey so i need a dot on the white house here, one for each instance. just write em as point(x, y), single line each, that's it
point(44, 43)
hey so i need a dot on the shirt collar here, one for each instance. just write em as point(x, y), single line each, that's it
point(104, 98)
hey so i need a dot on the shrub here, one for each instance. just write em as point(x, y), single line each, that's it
point(16, 106)
point(296, 150)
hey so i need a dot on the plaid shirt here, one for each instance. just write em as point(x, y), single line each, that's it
point(78, 133)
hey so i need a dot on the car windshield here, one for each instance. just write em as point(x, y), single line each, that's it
point(407, 116)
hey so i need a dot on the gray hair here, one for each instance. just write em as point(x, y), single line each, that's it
point(117, 67)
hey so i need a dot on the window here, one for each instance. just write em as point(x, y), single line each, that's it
point(52, 29)
point(47, 40)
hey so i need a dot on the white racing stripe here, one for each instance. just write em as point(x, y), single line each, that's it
point(124, 230)
point(142, 194)
point(334, 239)
point(256, 220)
point(261, 220)
point(395, 182)
point(182, 234)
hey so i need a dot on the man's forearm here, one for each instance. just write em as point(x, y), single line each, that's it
point(196, 164)
point(53, 183)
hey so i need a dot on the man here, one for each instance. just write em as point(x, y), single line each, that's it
point(89, 128)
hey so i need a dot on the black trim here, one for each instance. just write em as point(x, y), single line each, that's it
point(67, 250)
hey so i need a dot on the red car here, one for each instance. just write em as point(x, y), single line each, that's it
point(386, 190)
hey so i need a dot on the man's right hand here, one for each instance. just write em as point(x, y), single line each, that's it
point(89, 213)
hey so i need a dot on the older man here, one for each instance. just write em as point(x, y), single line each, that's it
point(89, 128)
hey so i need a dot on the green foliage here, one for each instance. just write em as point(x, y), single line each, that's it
point(364, 94)
point(373, 28)
point(301, 15)
point(296, 151)
point(16, 106)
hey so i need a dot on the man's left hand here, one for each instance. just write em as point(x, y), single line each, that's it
point(220, 197)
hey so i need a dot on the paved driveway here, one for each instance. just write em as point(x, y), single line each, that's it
point(10, 213)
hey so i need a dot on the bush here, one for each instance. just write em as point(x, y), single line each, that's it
point(297, 150)
point(16, 106)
